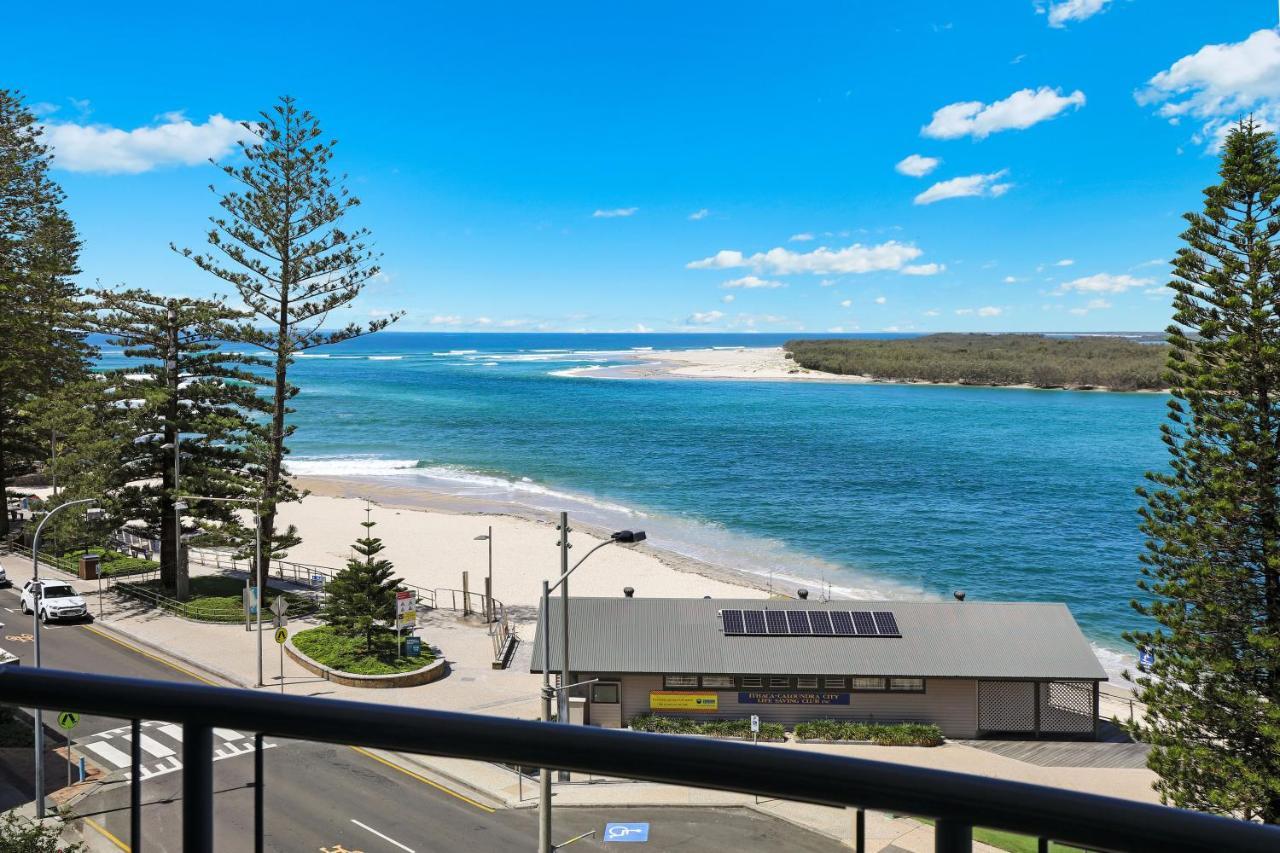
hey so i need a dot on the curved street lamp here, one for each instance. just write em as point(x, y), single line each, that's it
point(35, 632)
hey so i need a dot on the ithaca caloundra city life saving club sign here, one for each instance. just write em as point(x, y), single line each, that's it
point(678, 700)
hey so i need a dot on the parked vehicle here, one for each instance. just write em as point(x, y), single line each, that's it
point(55, 600)
point(8, 657)
point(4, 579)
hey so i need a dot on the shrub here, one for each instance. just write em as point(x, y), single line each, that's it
point(350, 654)
point(883, 734)
point(712, 728)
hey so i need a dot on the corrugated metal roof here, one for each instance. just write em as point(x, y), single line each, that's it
point(939, 639)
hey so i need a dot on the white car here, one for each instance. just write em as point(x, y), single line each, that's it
point(57, 600)
point(4, 579)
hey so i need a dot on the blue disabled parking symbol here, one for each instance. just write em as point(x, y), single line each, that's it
point(632, 832)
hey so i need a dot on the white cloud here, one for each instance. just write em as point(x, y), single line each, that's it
point(1063, 11)
point(1219, 83)
point(751, 282)
point(847, 303)
point(968, 185)
point(916, 165)
point(702, 318)
point(1091, 305)
point(1104, 283)
point(175, 141)
point(1019, 111)
point(615, 212)
point(446, 320)
point(1065, 262)
point(727, 298)
point(890, 255)
point(985, 311)
point(802, 237)
point(699, 214)
point(1009, 280)
point(932, 313)
point(924, 269)
point(880, 300)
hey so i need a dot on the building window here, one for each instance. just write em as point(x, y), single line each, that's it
point(907, 685)
point(669, 681)
point(604, 694)
point(717, 681)
point(779, 681)
point(834, 684)
point(807, 682)
point(751, 681)
point(867, 683)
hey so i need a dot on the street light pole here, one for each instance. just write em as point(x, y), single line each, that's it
point(35, 632)
point(257, 574)
point(489, 615)
point(622, 537)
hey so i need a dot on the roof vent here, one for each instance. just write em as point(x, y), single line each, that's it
point(959, 594)
point(803, 593)
point(628, 591)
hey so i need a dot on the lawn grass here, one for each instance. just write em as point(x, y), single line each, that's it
point(347, 654)
point(1014, 842)
point(219, 598)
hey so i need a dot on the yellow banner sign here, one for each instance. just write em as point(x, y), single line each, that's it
point(678, 700)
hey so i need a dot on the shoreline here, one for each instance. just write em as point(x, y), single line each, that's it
point(769, 364)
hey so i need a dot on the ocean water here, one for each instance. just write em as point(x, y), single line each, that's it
point(876, 490)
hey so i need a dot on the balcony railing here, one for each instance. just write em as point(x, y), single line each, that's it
point(956, 801)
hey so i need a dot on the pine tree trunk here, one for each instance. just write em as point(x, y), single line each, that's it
point(4, 480)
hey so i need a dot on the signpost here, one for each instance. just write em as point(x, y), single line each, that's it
point(68, 720)
point(412, 647)
point(755, 728)
point(632, 833)
point(406, 610)
point(1146, 659)
point(280, 607)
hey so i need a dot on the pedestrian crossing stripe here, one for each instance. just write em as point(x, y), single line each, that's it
point(160, 744)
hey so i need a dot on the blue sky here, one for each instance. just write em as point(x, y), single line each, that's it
point(672, 166)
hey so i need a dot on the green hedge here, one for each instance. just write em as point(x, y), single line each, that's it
point(214, 598)
point(347, 654)
point(884, 734)
point(714, 728)
point(111, 563)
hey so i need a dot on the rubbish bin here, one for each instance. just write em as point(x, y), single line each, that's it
point(89, 567)
point(578, 710)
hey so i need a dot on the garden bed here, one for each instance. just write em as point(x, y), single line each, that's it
point(110, 563)
point(881, 734)
point(344, 660)
point(734, 729)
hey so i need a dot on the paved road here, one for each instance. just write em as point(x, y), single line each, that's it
point(334, 798)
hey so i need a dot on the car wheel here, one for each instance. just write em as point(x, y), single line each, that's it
point(44, 616)
point(26, 611)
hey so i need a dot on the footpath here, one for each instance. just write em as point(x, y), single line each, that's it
point(227, 655)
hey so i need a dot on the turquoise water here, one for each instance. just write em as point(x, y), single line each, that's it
point(876, 489)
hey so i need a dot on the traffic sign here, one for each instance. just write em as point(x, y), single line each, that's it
point(406, 608)
point(280, 606)
point(282, 634)
point(68, 720)
point(634, 833)
point(755, 723)
point(1146, 659)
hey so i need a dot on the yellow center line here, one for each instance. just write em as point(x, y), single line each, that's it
point(146, 654)
point(424, 780)
point(107, 834)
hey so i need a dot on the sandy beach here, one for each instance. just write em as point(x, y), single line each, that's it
point(764, 363)
point(430, 537)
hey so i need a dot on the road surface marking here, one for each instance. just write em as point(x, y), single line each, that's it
point(387, 838)
point(229, 734)
point(172, 731)
point(107, 752)
point(107, 834)
point(154, 747)
point(424, 780)
point(131, 647)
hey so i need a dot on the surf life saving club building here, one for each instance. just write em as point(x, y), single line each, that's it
point(971, 668)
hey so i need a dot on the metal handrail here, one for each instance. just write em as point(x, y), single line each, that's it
point(957, 801)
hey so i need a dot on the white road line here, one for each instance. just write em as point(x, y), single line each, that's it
point(229, 734)
point(154, 747)
point(107, 752)
point(172, 731)
point(380, 835)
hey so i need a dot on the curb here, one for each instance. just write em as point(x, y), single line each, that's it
point(433, 671)
point(201, 669)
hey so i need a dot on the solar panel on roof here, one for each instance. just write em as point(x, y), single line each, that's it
point(754, 621)
point(799, 622)
point(821, 622)
point(886, 624)
point(863, 623)
point(732, 621)
point(777, 621)
point(842, 623)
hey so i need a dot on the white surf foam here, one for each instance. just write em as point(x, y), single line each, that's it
point(349, 466)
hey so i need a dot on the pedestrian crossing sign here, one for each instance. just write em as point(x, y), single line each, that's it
point(68, 720)
point(282, 634)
